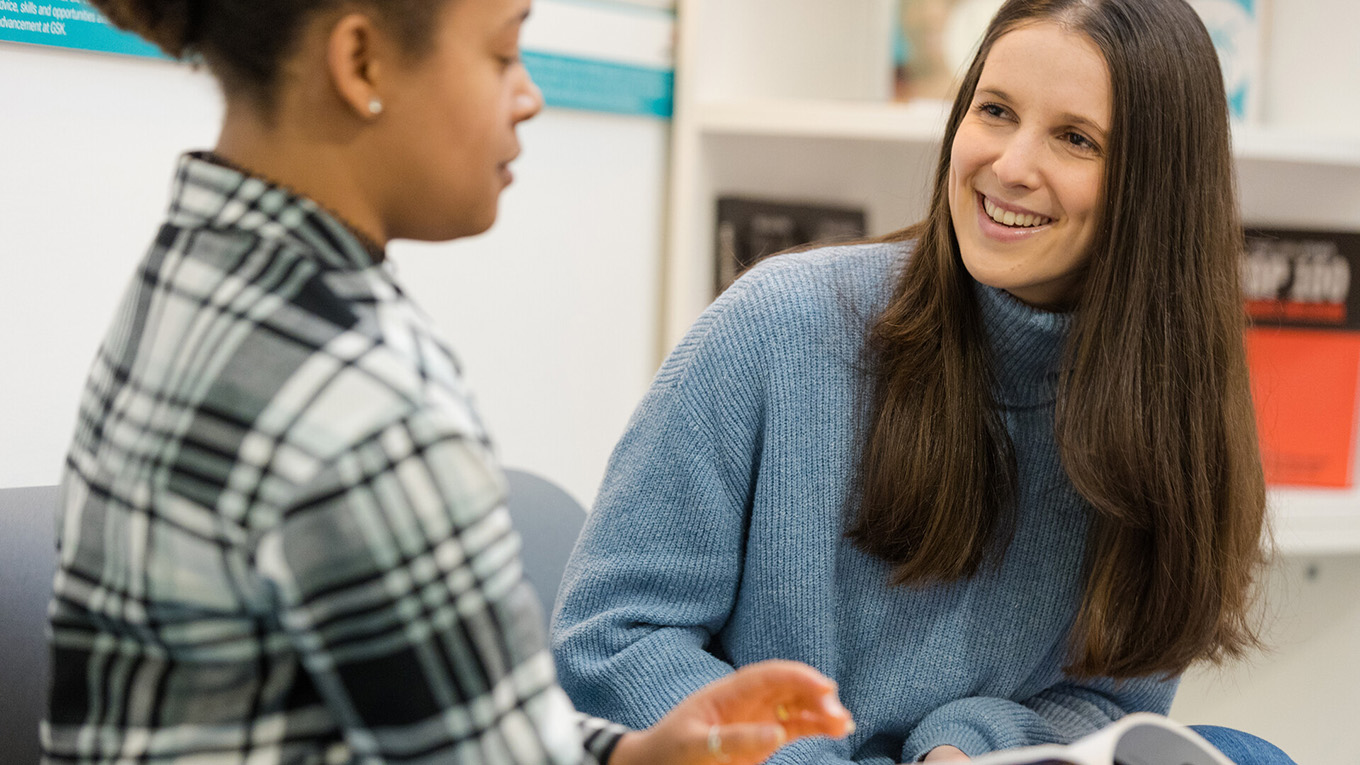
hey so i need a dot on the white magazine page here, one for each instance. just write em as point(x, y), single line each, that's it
point(1138, 739)
point(1153, 740)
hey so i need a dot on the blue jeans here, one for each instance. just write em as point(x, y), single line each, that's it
point(1243, 748)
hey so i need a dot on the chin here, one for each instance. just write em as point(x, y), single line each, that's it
point(477, 220)
point(450, 227)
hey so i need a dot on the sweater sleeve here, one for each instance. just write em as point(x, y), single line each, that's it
point(654, 574)
point(1060, 714)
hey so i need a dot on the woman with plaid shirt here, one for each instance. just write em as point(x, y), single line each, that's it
point(283, 536)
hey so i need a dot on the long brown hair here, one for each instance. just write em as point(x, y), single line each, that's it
point(1154, 420)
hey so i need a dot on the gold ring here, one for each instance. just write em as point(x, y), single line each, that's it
point(715, 744)
point(781, 713)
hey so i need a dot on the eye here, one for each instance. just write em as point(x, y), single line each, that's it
point(1080, 142)
point(994, 111)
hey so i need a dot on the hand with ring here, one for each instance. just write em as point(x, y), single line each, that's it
point(741, 719)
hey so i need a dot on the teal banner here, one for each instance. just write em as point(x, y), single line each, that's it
point(567, 81)
point(67, 24)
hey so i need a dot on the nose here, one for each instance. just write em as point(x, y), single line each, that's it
point(1017, 164)
point(528, 98)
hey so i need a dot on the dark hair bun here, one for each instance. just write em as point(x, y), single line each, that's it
point(168, 24)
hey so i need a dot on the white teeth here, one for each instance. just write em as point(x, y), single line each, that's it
point(1008, 218)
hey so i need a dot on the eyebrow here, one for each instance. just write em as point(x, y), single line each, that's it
point(1068, 117)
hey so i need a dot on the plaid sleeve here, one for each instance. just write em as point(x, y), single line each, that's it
point(599, 736)
point(400, 586)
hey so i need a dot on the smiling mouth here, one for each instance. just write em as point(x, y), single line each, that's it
point(1011, 219)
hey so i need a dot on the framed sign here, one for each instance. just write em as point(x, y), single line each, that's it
point(67, 24)
point(593, 55)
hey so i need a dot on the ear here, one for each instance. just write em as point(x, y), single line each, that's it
point(354, 62)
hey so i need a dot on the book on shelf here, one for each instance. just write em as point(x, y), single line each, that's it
point(933, 43)
point(1141, 738)
point(1303, 349)
point(749, 229)
point(1236, 29)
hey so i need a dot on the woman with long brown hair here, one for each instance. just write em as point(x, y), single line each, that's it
point(283, 533)
point(997, 473)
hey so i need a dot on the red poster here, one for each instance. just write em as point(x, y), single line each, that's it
point(1304, 352)
point(1304, 383)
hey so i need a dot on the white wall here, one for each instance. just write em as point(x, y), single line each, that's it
point(553, 311)
point(89, 143)
point(1303, 692)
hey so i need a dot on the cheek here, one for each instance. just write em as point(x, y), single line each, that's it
point(1084, 194)
point(1087, 198)
point(957, 182)
point(966, 154)
point(956, 169)
point(955, 196)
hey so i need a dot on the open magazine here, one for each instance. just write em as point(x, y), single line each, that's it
point(1138, 739)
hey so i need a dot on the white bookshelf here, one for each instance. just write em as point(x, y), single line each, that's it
point(789, 99)
point(1256, 143)
point(1316, 521)
point(824, 119)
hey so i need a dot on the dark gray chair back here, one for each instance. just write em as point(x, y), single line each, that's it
point(548, 520)
point(28, 558)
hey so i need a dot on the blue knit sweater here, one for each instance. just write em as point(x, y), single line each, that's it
point(717, 539)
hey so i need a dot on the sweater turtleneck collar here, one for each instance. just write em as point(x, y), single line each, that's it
point(1026, 347)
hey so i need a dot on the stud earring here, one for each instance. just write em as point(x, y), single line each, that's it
point(375, 106)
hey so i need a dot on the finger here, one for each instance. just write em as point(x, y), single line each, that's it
point(946, 753)
point(817, 723)
point(780, 682)
point(743, 743)
point(947, 757)
point(777, 677)
point(827, 717)
point(781, 691)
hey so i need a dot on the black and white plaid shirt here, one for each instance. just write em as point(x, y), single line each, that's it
point(283, 535)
